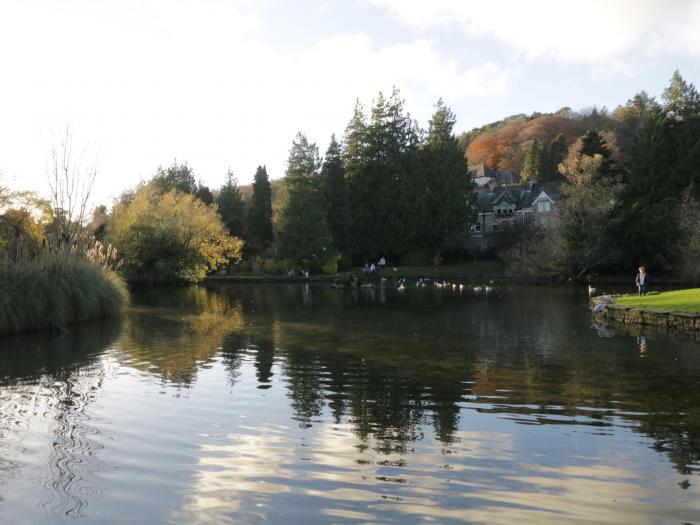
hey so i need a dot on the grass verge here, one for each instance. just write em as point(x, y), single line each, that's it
point(59, 288)
point(676, 301)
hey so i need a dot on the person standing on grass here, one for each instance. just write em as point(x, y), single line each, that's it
point(642, 281)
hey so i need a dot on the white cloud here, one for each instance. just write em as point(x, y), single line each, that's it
point(196, 80)
point(589, 32)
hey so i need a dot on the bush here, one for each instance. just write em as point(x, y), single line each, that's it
point(330, 267)
point(59, 288)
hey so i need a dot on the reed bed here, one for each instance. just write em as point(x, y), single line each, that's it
point(59, 287)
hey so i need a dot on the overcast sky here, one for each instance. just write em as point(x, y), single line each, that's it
point(221, 83)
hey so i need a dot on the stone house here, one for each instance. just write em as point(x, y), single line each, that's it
point(515, 207)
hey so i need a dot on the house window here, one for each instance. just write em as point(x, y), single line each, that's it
point(543, 206)
point(504, 209)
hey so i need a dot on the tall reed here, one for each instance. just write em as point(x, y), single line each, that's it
point(60, 287)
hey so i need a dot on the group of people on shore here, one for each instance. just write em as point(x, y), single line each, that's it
point(369, 269)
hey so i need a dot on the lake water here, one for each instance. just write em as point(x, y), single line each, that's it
point(293, 403)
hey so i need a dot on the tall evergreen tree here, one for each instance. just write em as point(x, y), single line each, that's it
point(447, 190)
point(593, 144)
point(379, 159)
point(336, 190)
point(552, 155)
point(303, 232)
point(204, 194)
point(260, 212)
point(359, 190)
point(231, 205)
point(354, 142)
point(532, 168)
point(680, 98)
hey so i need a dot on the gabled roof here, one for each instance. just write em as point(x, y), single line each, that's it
point(543, 196)
point(521, 196)
point(504, 195)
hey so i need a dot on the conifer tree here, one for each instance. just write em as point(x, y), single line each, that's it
point(354, 142)
point(303, 232)
point(680, 98)
point(336, 191)
point(593, 144)
point(204, 194)
point(231, 205)
point(552, 155)
point(532, 168)
point(379, 158)
point(447, 194)
point(260, 213)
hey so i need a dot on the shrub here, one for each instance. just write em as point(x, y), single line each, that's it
point(330, 267)
point(59, 288)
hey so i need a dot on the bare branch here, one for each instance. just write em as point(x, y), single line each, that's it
point(70, 186)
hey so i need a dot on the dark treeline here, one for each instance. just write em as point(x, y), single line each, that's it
point(387, 189)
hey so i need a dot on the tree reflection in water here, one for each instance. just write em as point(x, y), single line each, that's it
point(361, 394)
point(392, 370)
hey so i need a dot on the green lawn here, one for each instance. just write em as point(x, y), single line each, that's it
point(677, 301)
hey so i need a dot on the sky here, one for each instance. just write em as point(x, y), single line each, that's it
point(228, 83)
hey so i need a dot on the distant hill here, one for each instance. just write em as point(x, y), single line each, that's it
point(502, 145)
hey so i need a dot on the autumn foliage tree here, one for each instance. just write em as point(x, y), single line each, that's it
point(170, 237)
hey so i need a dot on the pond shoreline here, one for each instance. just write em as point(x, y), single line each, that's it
point(408, 275)
point(501, 279)
point(681, 321)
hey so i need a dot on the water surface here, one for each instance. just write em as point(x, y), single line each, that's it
point(302, 404)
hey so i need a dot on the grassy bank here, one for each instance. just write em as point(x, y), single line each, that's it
point(58, 288)
point(676, 301)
